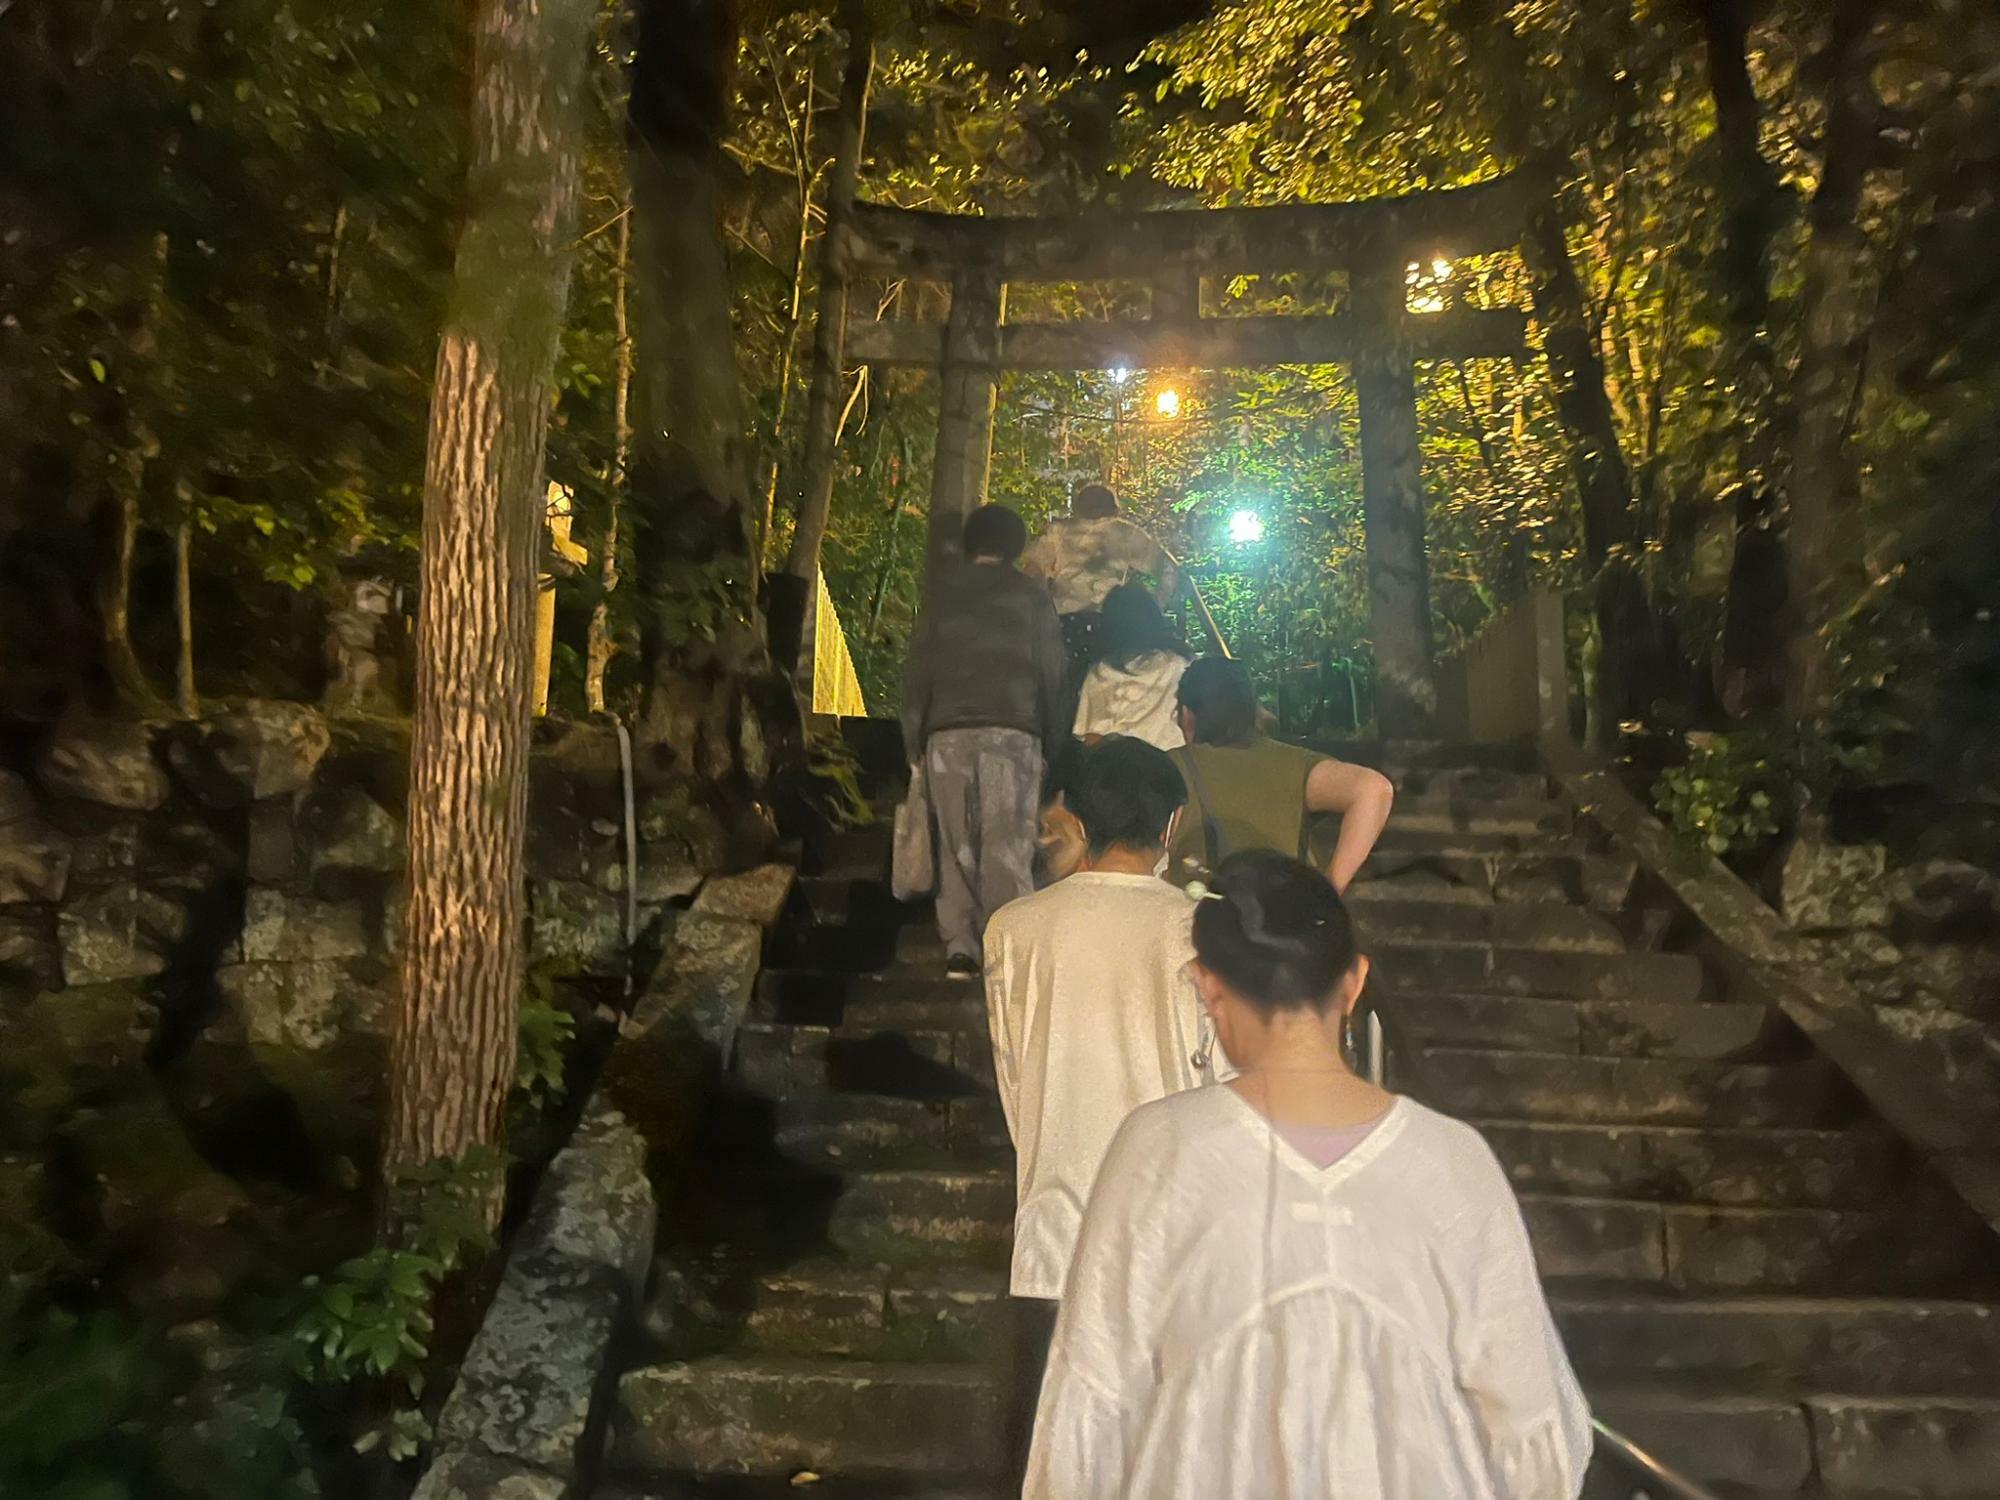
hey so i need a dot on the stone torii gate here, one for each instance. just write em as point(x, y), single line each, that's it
point(1373, 241)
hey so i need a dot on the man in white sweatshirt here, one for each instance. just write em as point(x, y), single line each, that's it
point(1092, 1013)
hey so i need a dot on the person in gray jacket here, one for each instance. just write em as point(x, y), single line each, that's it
point(984, 708)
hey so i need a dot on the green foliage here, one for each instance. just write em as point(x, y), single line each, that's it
point(94, 1407)
point(1731, 797)
point(543, 1039)
point(1738, 794)
point(836, 779)
point(370, 1318)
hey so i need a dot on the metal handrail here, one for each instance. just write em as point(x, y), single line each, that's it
point(1669, 1482)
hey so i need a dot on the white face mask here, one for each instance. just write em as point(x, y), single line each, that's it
point(1173, 827)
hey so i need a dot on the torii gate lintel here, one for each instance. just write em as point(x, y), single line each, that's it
point(1372, 240)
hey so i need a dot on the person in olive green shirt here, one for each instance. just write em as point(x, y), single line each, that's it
point(1246, 791)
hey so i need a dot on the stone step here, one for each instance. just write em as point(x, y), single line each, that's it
point(787, 1062)
point(933, 1312)
point(1819, 1444)
point(1665, 977)
point(857, 1131)
point(899, 1215)
point(779, 1415)
point(1700, 1248)
point(1594, 1028)
point(1768, 1345)
point(776, 1487)
point(1547, 927)
point(1600, 881)
point(1469, 783)
point(1696, 1164)
point(1631, 1091)
point(820, 997)
point(1532, 816)
point(1399, 838)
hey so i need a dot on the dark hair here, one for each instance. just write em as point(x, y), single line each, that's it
point(1093, 502)
point(1123, 791)
point(1275, 931)
point(995, 531)
point(1132, 626)
point(1217, 691)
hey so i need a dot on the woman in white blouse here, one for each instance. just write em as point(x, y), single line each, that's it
point(1133, 687)
point(1295, 1284)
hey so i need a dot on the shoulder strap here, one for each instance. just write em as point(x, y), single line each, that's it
point(1216, 846)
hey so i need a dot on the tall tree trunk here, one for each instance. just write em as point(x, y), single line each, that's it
point(600, 648)
point(710, 699)
point(114, 583)
point(794, 318)
point(1824, 553)
point(1624, 680)
point(453, 1054)
point(187, 703)
point(830, 322)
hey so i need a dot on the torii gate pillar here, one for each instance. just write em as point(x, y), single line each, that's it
point(1392, 499)
point(968, 381)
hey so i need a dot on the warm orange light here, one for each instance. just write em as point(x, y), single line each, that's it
point(1168, 402)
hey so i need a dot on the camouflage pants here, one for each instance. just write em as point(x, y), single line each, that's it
point(986, 789)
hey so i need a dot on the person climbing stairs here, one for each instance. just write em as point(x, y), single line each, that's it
point(1755, 1280)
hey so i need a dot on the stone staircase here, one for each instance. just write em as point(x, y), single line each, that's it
point(1753, 1277)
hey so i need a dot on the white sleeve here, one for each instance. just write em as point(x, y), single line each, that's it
point(1085, 709)
point(1000, 1020)
point(1533, 1421)
point(1088, 1419)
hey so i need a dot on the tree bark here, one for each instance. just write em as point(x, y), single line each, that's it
point(794, 319)
point(712, 703)
point(1621, 687)
point(452, 1058)
point(1823, 550)
point(830, 321)
point(187, 703)
point(600, 647)
point(114, 584)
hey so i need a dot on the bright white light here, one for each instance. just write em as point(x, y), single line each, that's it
point(1168, 403)
point(1119, 375)
point(1441, 269)
point(1246, 528)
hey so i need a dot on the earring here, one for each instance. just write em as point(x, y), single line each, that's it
point(1347, 1041)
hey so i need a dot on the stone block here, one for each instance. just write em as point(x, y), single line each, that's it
point(524, 1391)
point(34, 857)
point(285, 928)
point(306, 1005)
point(28, 952)
point(1823, 884)
point(1640, 1028)
point(108, 761)
point(470, 1476)
point(577, 924)
point(266, 748)
point(348, 830)
point(1946, 900)
point(126, 932)
point(1922, 1445)
point(272, 855)
point(665, 874)
point(64, 1044)
point(595, 1204)
point(754, 896)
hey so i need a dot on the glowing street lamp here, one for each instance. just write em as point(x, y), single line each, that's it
point(1246, 528)
point(1168, 403)
point(1120, 374)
